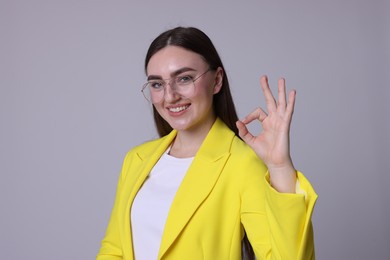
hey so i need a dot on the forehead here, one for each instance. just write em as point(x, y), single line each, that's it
point(173, 58)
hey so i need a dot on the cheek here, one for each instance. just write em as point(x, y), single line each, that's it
point(159, 108)
point(205, 92)
point(209, 94)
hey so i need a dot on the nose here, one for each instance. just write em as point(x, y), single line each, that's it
point(170, 93)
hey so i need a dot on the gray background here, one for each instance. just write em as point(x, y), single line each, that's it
point(71, 107)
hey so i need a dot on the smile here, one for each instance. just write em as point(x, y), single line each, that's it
point(178, 109)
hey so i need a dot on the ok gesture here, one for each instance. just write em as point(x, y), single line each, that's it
point(272, 144)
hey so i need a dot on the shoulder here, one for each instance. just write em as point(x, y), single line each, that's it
point(151, 148)
point(243, 152)
point(146, 148)
point(222, 139)
point(245, 159)
point(148, 145)
point(141, 153)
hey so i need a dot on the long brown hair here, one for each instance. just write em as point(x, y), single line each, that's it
point(195, 40)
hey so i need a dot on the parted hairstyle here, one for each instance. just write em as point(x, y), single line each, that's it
point(195, 40)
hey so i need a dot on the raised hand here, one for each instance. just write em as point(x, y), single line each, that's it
point(272, 145)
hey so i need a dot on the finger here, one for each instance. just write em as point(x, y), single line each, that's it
point(269, 98)
point(257, 114)
point(281, 95)
point(244, 133)
point(291, 103)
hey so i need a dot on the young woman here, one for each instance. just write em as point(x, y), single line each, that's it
point(208, 184)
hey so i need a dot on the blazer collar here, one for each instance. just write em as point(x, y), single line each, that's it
point(216, 145)
point(198, 182)
point(217, 142)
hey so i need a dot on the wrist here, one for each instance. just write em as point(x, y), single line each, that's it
point(283, 179)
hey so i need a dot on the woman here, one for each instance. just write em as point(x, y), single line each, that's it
point(208, 184)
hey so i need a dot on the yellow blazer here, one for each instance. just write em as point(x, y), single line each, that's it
point(224, 193)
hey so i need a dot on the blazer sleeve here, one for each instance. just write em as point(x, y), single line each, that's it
point(111, 245)
point(278, 225)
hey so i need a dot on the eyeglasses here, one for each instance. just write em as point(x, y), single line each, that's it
point(184, 85)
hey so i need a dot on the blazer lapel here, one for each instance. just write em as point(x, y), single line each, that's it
point(143, 164)
point(198, 182)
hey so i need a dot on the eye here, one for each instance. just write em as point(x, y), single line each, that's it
point(156, 84)
point(182, 80)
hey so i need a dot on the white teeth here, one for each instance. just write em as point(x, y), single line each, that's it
point(178, 109)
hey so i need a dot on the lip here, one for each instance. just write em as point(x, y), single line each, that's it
point(178, 110)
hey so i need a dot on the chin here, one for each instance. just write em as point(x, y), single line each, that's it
point(179, 127)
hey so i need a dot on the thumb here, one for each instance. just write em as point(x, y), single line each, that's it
point(243, 132)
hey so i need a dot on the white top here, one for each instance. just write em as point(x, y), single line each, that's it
point(151, 205)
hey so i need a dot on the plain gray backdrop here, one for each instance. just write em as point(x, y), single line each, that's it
point(71, 107)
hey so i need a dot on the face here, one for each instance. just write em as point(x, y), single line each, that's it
point(185, 113)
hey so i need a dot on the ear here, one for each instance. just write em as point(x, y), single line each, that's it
point(218, 82)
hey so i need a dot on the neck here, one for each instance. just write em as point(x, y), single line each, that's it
point(187, 143)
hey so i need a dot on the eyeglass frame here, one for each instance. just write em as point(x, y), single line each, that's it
point(170, 82)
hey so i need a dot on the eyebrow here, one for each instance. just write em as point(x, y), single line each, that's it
point(173, 74)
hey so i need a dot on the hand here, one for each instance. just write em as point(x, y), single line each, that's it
point(272, 145)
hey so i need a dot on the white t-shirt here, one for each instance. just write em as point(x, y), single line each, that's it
point(152, 203)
